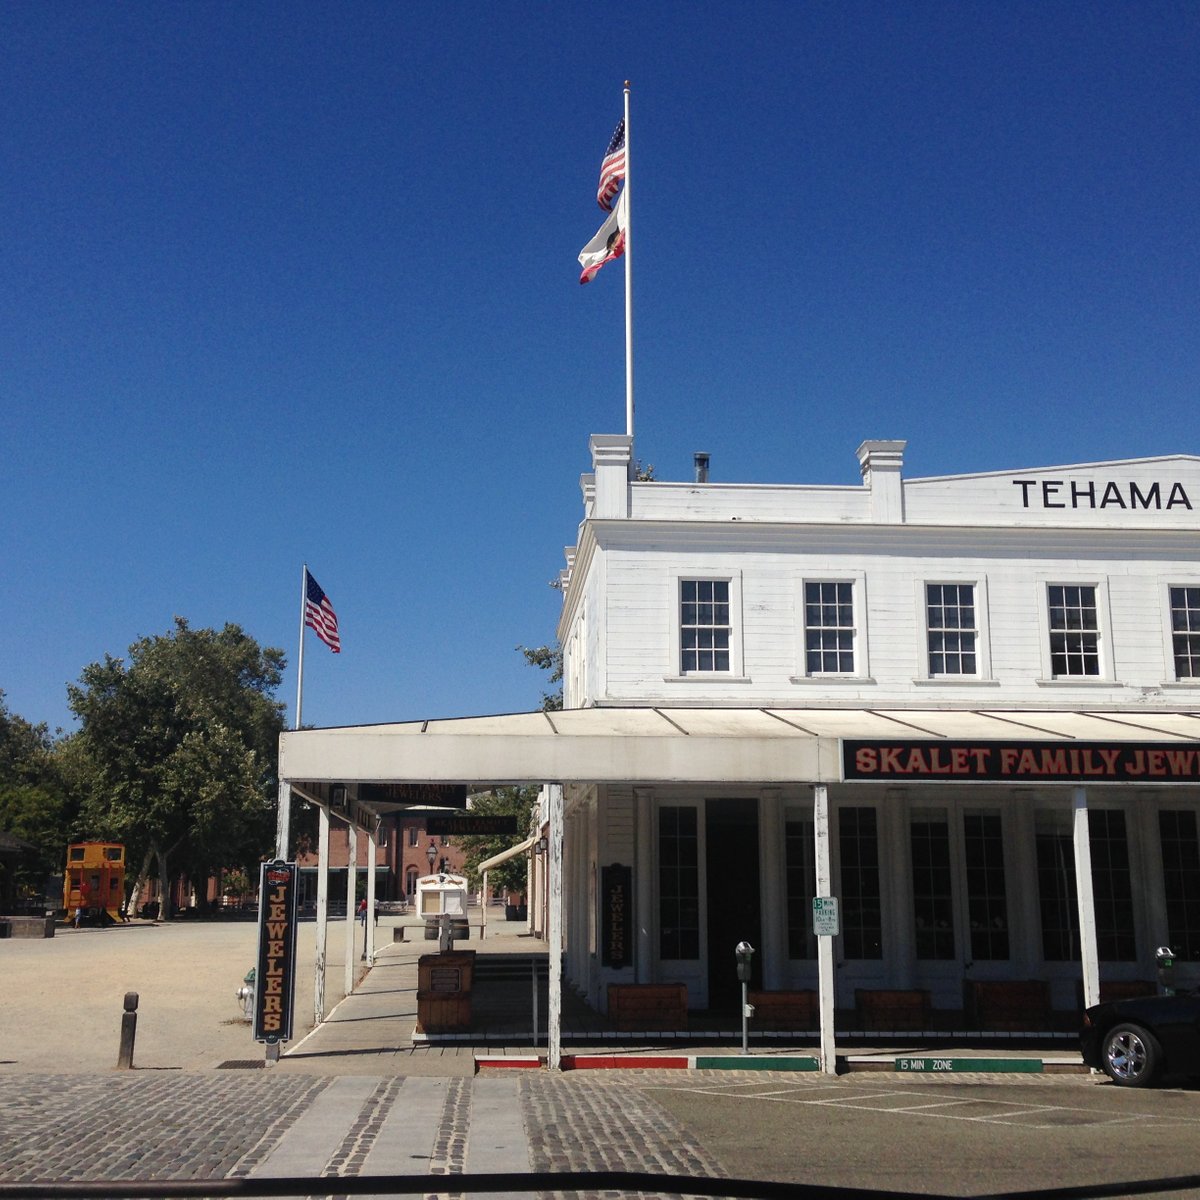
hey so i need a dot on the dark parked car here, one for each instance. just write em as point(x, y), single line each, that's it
point(1137, 1041)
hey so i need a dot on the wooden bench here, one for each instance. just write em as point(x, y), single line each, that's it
point(1007, 1003)
point(784, 1010)
point(893, 1008)
point(648, 1006)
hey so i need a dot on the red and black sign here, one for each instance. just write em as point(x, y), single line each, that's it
point(275, 975)
point(616, 907)
point(470, 826)
point(1021, 762)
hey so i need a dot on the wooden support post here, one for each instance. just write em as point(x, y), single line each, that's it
point(1088, 952)
point(554, 938)
point(826, 979)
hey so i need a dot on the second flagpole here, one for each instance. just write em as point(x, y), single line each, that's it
point(628, 274)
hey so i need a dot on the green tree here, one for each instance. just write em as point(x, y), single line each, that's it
point(520, 802)
point(183, 743)
point(547, 658)
point(36, 803)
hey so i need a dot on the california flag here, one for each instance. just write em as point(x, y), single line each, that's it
point(609, 243)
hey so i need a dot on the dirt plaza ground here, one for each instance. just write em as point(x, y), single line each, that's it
point(62, 997)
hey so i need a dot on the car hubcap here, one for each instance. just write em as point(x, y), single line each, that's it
point(1127, 1056)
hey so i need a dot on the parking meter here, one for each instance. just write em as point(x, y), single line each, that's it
point(1164, 960)
point(743, 952)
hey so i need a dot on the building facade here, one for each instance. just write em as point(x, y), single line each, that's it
point(939, 630)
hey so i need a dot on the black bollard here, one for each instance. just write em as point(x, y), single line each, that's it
point(128, 1032)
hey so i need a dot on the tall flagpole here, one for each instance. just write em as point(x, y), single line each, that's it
point(300, 657)
point(628, 275)
point(284, 816)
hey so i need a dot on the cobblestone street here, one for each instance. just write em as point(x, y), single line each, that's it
point(236, 1123)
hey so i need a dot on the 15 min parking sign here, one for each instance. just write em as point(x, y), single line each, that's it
point(825, 916)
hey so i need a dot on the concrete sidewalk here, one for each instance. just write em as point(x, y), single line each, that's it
point(373, 1030)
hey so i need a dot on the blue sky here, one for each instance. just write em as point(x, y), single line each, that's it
point(289, 283)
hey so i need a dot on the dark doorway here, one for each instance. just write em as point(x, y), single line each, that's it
point(734, 910)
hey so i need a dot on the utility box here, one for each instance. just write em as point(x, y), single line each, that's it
point(444, 984)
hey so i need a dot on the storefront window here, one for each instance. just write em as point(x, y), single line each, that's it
point(1181, 882)
point(933, 903)
point(801, 887)
point(1056, 888)
point(678, 883)
point(987, 901)
point(1111, 886)
point(858, 844)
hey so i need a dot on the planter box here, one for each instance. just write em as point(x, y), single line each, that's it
point(648, 1006)
point(893, 1008)
point(784, 1010)
point(1007, 1003)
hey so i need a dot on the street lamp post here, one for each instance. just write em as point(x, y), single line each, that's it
point(431, 854)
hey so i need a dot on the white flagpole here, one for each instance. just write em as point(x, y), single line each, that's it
point(283, 819)
point(628, 275)
point(300, 657)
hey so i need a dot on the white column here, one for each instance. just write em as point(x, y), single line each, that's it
point(1088, 951)
point(283, 818)
point(322, 931)
point(351, 880)
point(643, 801)
point(371, 852)
point(554, 862)
point(826, 981)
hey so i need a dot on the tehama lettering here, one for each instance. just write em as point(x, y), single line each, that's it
point(1103, 494)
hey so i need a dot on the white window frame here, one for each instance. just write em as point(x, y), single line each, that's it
point(983, 650)
point(1107, 676)
point(1170, 675)
point(858, 598)
point(736, 672)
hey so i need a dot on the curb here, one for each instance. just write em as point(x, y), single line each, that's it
point(927, 1064)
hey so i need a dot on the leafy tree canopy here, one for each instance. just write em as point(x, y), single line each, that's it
point(547, 658)
point(37, 802)
point(520, 802)
point(182, 740)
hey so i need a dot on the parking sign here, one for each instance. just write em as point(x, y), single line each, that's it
point(825, 916)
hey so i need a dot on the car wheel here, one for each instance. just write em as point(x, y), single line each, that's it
point(1131, 1056)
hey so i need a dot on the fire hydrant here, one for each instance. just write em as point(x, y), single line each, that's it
point(246, 995)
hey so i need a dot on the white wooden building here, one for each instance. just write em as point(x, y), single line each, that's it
point(967, 707)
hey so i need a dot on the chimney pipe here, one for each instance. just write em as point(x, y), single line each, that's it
point(701, 462)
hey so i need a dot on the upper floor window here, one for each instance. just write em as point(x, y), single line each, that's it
point(705, 629)
point(829, 627)
point(1185, 631)
point(1074, 625)
point(952, 628)
point(413, 838)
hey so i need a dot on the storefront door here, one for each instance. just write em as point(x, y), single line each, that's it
point(733, 889)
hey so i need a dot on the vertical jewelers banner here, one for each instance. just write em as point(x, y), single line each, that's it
point(275, 976)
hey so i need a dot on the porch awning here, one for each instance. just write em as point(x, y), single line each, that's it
point(678, 745)
point(505, 855)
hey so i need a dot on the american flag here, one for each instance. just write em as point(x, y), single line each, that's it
point(319, 615)
point(612, 169)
